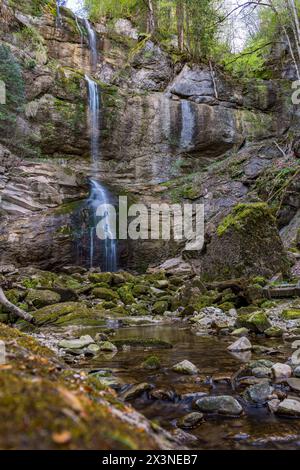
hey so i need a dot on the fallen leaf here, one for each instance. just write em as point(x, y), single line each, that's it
point(61, 437)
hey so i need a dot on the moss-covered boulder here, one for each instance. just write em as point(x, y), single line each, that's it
point(105, 294)
point(125, 294)
point(292, 314)
point(246, 244)
point(151, 363)
point(98, 278)
point(42, 298)
point(257, 322)
point(68, 313)
point(45, 405)
point(160, 307)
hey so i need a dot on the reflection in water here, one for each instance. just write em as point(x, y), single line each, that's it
point(257, 428)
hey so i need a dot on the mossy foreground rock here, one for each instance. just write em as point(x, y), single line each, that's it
point(68, 313)
point(257, 322)
point(247, 243)
point(46, 406)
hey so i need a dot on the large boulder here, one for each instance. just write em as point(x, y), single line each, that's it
point(246, 243)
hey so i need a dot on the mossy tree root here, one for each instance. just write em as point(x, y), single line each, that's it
point(14, 309)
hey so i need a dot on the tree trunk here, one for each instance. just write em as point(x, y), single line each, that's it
point(180, 24)
point(151, 27)
point(14, 309)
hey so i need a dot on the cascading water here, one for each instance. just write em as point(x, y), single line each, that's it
point(92, 44)
point(99, 195)
point(100, 252)
point(188, 124)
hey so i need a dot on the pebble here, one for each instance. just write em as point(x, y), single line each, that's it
point(281, 371)
point(241, 345)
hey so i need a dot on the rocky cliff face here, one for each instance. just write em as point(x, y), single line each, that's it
point(170, 132)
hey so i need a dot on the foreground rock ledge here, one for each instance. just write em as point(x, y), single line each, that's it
point(54, 407)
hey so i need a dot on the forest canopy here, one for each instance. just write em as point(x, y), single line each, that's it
point(236, 33)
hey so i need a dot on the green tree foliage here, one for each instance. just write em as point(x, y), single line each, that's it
point(11, 75)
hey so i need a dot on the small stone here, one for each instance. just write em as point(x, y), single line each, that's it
point(274, 332)
point(185, 367)
point(281, 371)
point(152, 363)
point(107, 346)
point(273, 405)
point(295, 359)
point(261, 363)
point(242, 344)
point(296, 372)
point(93, 348)
point(223, 405)
point(240, 332)
point(136, 391)
point(261, 372)
point(289, 407)
point(101, 337)
point(163, 395)
point(296, 344)
point(294, 384)
point(80, 343)
point(259, 393)
point(190, 421)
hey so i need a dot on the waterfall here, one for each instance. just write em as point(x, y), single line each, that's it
point(188, 124)
point(100, 252)
point(92, 43)
point(98, 193)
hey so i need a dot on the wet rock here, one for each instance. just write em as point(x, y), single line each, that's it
point(257, 322)
point(274, 332)
point(160, 307)
point(42, 298)
point(107, 346)
point(273, 405)
point(281, 371)
point(240, 332)
point(192, 397)
point(261, 372)
point(242, 344)
point(101, 337)
point(223, 405)
point(293, 314)
point(105, 294)
point(296, 344)
point(259, 393)
point(151, 363)
point(289, 407)
point(136, 391)
point(185, 367)
point(296, 372)
point(163, 395)
point(93, 349)
point(294, 383)
point(190, 421)
point(295, 359)
point(80, 343)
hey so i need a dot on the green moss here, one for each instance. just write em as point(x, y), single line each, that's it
point(101, 277)
point(125, 293)
point(292, 314)
point(68, 313)
point(105, 294)
point(152, 363)
point(257, 322)
point(41, 298)
point(160, 307)
point(240, 216)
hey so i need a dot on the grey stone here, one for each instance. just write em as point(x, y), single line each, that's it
point(185, 367)
point(223, 405)
point(190, 421)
